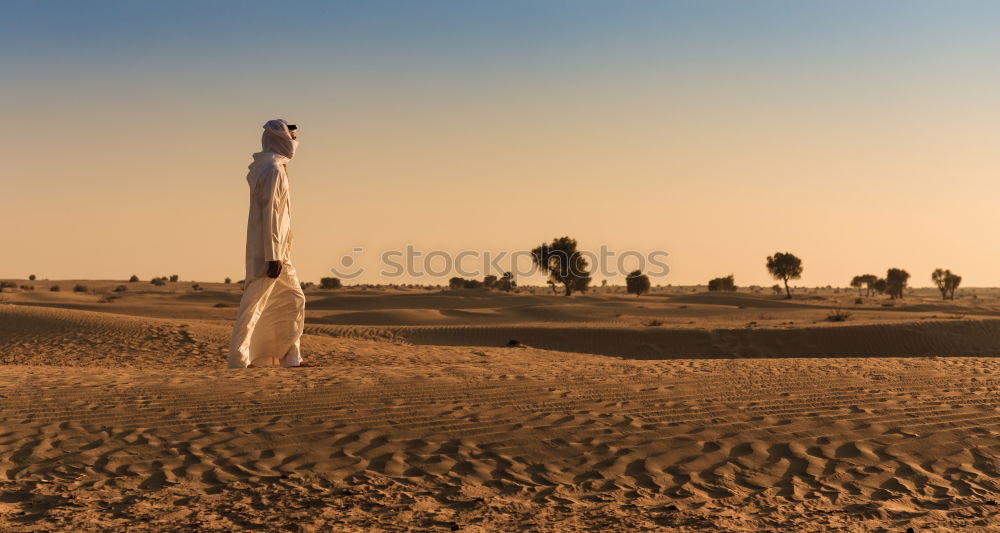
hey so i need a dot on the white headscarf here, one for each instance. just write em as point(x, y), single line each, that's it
point(277, 138)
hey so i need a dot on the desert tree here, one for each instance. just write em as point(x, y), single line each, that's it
point(490, 281)
point(637, 283)
point(228, 281)
point(869, 280)
point(858, 282)
point(31, 277)
point(133, 279)
point(784, 266)
point(880, 286)
point(955, 281)
point(564, 264)
point(946, 282)
point(506, 282)
point(456, 283)
point(895, 282)
point(552, 285)
point(726, 284)
point(174, 278)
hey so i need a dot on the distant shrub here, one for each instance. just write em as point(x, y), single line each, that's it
point(27, 287)
point(196, 287)
point(472, 284)
point(174, 278)
point(158, 281)
point(726, 284)
point(330, 283)
point(490, 281)
point(54, 288)
point(107, 298)
point(838, 316)
point(653, 323)
point(859, 301)
point(133, 279)
point(79, 288)
point(776, 289)
point(456, 283)
point(120, 288)
point(228, 281)
point(8, 285)
point(31, 277)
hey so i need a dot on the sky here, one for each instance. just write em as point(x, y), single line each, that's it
point(857, 135)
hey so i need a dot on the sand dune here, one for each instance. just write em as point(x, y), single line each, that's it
point(886, 422)
point(923, 339)
point(506, 439)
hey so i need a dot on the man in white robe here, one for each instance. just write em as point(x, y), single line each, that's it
point(272, 310)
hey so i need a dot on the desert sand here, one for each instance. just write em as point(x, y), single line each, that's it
point(680, 410)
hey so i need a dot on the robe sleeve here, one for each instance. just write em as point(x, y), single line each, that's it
point(271, 194)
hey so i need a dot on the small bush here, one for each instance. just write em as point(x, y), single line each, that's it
point(107, 298)
point(133, 279)
point(506, 282)
point(330, 283)
point(54, 288)
point(174, 278)
point(726, 284)
point(120, 288)
point(31, 277)
point(8, 285)
point(653, 323)
point(27, 287)
point(196, 287)
point(228, 281)
point(838, 316)
point(79, 288)
point(859, 301)
point(158, 281)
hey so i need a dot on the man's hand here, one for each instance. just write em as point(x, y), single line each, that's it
point(273, 269)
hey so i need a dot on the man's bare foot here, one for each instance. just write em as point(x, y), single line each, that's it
point(303, 364)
